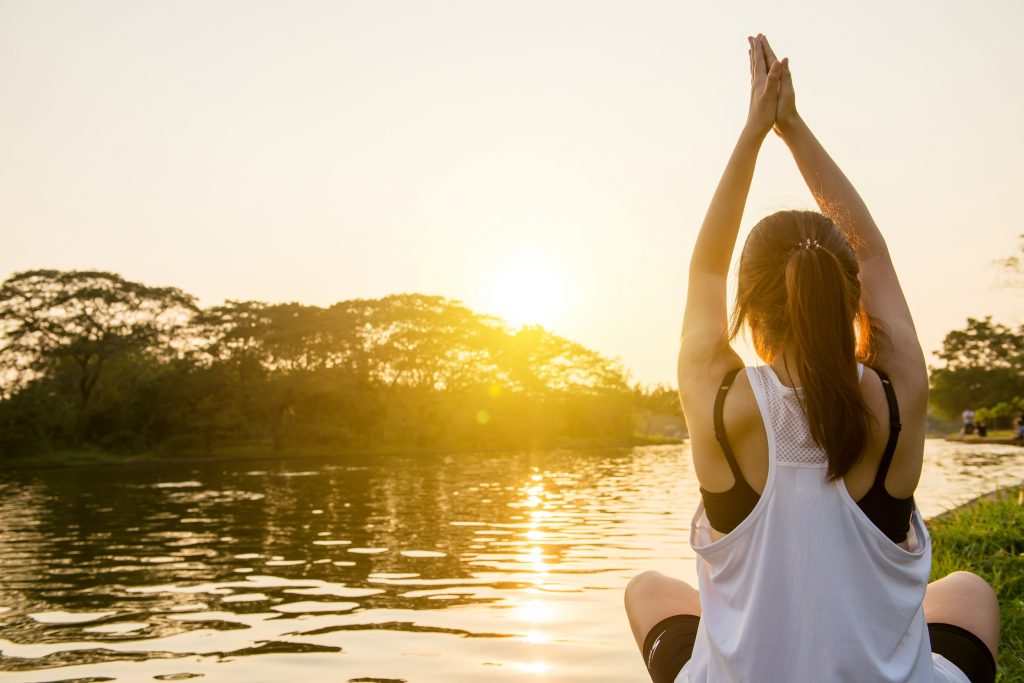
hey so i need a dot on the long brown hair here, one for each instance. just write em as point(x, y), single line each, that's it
point(799, 293)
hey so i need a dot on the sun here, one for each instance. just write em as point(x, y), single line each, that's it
point(528, 290)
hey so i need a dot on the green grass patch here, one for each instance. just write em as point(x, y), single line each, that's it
point(987, 537)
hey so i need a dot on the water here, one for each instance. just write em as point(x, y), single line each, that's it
point(479, 567)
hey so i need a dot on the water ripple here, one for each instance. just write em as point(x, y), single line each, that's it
point(473, 567)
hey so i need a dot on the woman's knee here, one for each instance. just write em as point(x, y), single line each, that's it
point(641, 584)
point(970, 585)
point(966, 600)
point(976, 582)
point(652, 596)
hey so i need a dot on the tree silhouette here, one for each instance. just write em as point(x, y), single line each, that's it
point(93, 360)
point(52, 319)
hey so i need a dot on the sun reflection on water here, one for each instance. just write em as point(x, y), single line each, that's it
point(535, 611)
point(413, 567)
point(534, 667)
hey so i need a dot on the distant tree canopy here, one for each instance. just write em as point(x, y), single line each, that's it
point(1013, 266)
point(982, 369)
point(73, 323)
point(91, 360)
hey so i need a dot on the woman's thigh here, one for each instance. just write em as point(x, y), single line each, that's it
point(652, 596)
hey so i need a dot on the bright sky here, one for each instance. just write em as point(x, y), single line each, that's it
point(319, 151)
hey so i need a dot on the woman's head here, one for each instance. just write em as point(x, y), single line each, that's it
point(799, 295)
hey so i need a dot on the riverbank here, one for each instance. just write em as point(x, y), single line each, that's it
point(85, 458)
point(986, 536)
point(996, 439)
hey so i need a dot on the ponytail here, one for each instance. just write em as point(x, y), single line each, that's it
point(822, 302)
point(799, 295)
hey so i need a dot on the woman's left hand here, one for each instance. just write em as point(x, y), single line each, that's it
point(764, 88)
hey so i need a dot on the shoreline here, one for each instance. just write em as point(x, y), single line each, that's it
point(989, 497)
point(83, 459)
point(983, 440)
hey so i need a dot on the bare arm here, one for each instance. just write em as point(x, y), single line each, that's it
point(833, 191)
point(704, 352)
point(839, 200)
point(705, 322)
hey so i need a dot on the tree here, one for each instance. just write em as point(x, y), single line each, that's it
point(982, 368)
point(53, 321)
point(1013, 266)
point(91, 359)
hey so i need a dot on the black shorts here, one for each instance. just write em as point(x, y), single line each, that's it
point(669, 644)
point(964, 650)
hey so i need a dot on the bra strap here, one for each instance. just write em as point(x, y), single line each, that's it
point(720, 436)
point(894, 430)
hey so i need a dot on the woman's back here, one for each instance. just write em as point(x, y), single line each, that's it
point(807, 587)
point(747, 436)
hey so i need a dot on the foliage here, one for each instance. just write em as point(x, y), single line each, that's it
point(1013, 266)
point(97, 362)
point(981, 368)
point(986, 538)
point(66, 326)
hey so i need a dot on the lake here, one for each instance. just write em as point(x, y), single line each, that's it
point(426, 568)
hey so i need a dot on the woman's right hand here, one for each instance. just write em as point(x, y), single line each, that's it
point(764, 88)
point(786, 116)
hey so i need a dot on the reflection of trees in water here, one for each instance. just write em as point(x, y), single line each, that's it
point(122, 542)
point(22, 536)
point(92, 540)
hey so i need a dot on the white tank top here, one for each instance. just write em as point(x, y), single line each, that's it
point(807, 588)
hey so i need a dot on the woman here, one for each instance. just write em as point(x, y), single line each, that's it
point(812, 558)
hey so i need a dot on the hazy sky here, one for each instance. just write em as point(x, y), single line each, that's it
point(318, 151)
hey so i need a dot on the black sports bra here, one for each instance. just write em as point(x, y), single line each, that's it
point(725, 510)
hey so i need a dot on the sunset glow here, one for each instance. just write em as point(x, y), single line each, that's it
point(530, 172)
point(380, 341)
point(528, 290)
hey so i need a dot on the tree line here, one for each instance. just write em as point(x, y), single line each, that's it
point(92, 361)
point(981, 370)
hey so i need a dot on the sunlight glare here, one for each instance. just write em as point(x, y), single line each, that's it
point(528, 290)
point(534, 667)
point(534, 611)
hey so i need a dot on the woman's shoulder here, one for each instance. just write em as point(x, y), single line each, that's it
point(907, 416)
point(699, 376)
point(909, 385)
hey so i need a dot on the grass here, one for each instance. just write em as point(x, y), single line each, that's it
point(986, 537)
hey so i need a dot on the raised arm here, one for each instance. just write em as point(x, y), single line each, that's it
point(837, 198)
point(704, 342)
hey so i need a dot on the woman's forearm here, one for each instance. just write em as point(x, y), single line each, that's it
point(717, 236)
point(834, 193)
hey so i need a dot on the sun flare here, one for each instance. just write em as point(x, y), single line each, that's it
point(529, 290)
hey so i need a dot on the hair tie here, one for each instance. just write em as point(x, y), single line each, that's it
point(808, 243)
